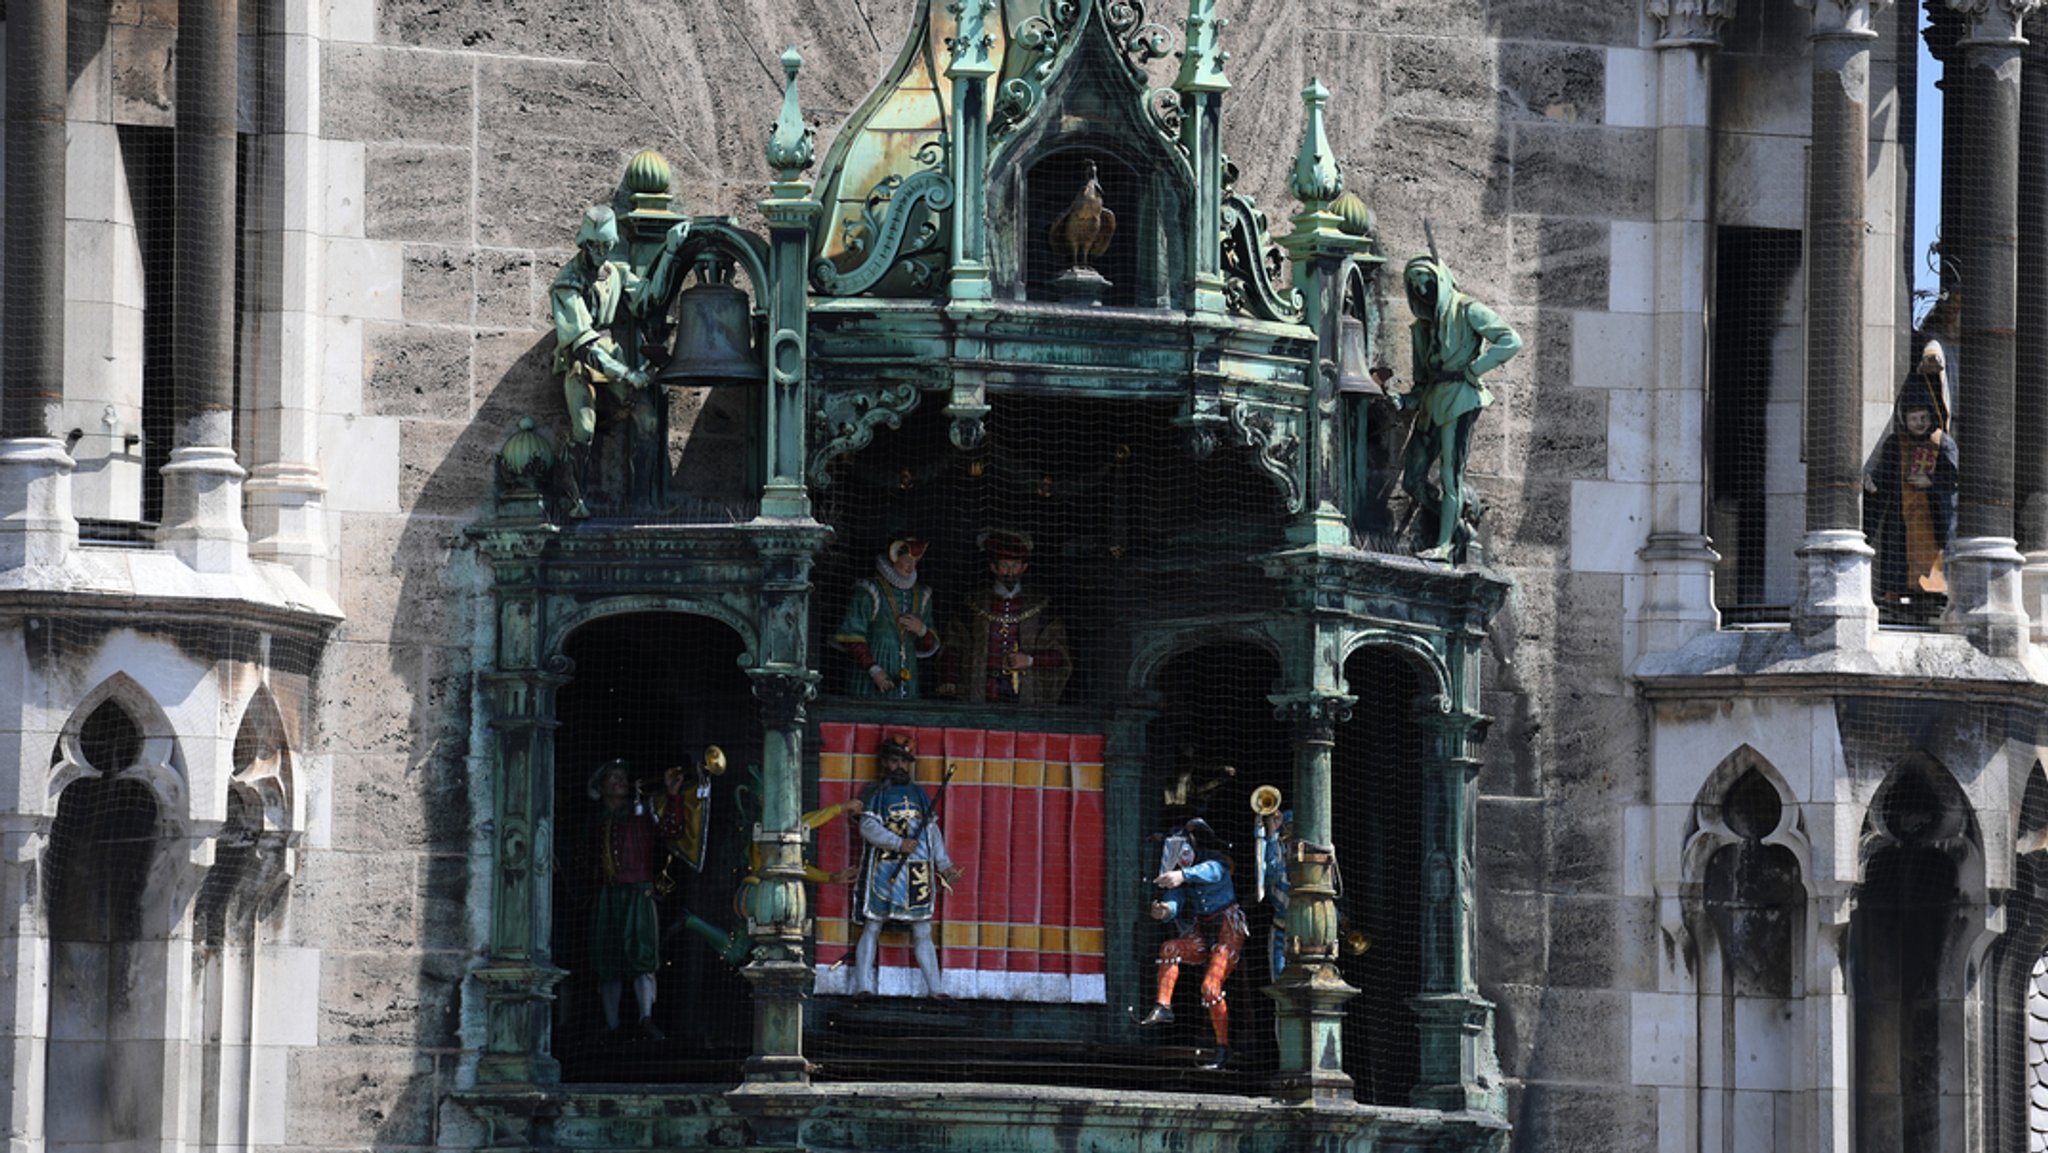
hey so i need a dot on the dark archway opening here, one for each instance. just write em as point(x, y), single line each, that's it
point(1376, 818)
point(1215, 741)
point(105, 1079)
point(654, 690)
point(1908, 1032)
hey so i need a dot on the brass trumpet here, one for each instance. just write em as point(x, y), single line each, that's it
point(1265, 803)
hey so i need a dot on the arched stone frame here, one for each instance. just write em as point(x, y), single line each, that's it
point(1733, 1026)
point(2014, 1002)
point(1960, 949)
point(1441, 876)
point(519, 704)
point(142, 1049)
point(1126, 748)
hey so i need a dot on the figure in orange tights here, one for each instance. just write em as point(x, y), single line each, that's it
point(1197, 896)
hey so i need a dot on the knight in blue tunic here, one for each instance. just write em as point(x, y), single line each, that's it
point(902, 869)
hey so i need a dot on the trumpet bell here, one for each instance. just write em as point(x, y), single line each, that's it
point(714, 761)
point(1265, 800)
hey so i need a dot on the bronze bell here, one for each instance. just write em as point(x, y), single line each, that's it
point(714, 338)
point(1353, 374)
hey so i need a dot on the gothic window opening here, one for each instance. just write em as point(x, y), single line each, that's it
point(1906, 983)
point(108, 1002)
point(1211, 750)
point(1752, 901)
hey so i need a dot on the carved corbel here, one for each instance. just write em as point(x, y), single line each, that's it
point(783, 695)
point(847, 419)
point(1274, 437)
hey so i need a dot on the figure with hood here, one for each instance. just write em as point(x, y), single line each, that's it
point(1455, 339)
point(1911, 485)
point(596, 372)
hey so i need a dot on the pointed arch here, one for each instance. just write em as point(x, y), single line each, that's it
point(157, 760)
point(1747, 883)
point(263, 766)
point(1911, 954)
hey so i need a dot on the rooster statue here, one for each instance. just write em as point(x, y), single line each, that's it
point(1084, 230)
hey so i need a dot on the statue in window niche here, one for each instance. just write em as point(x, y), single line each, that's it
point(599, 376)
point(1008, 648)
point(1455, 339)
point(1910, 482)
point(889, 630)
point(1080, 235)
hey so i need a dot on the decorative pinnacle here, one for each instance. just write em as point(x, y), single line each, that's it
point(790, 145)
point(1201, 62)
point(1317, 179)
point(971, 42)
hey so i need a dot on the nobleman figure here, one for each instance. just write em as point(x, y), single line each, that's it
point(1008, 649)
point(585, 301)
point(889, 629)
point(902, 869)
point(625, 938)
point(1454, 339)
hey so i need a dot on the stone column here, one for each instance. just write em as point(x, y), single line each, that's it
point(36, 523)
point(1984, 563)
point(1835, 610)
point(1678, 601)
point(1311, 993)
point(2030, 357)
point(25, 957)
point(286, 493)
point(518, 979)
point(202, 482)
point(1460, 1069)
point(779, 919)
point(790, 211)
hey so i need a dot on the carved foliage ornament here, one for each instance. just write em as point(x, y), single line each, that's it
point(846, 421)
point(1254, 267)
point(1990, 21)
point(879, 235)
point(1690, 22)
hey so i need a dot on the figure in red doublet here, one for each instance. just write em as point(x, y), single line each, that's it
point(1009, 649)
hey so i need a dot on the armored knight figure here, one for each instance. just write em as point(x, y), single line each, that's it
point(903, 868)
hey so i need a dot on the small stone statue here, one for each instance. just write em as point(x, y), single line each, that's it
point(1911, 485)
point(1455, 339)
point(596, 372)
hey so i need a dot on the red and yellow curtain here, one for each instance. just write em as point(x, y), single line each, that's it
point(1023, 817)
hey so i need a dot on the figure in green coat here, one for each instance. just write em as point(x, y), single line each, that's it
point(596, 371)
point(1455, 339)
